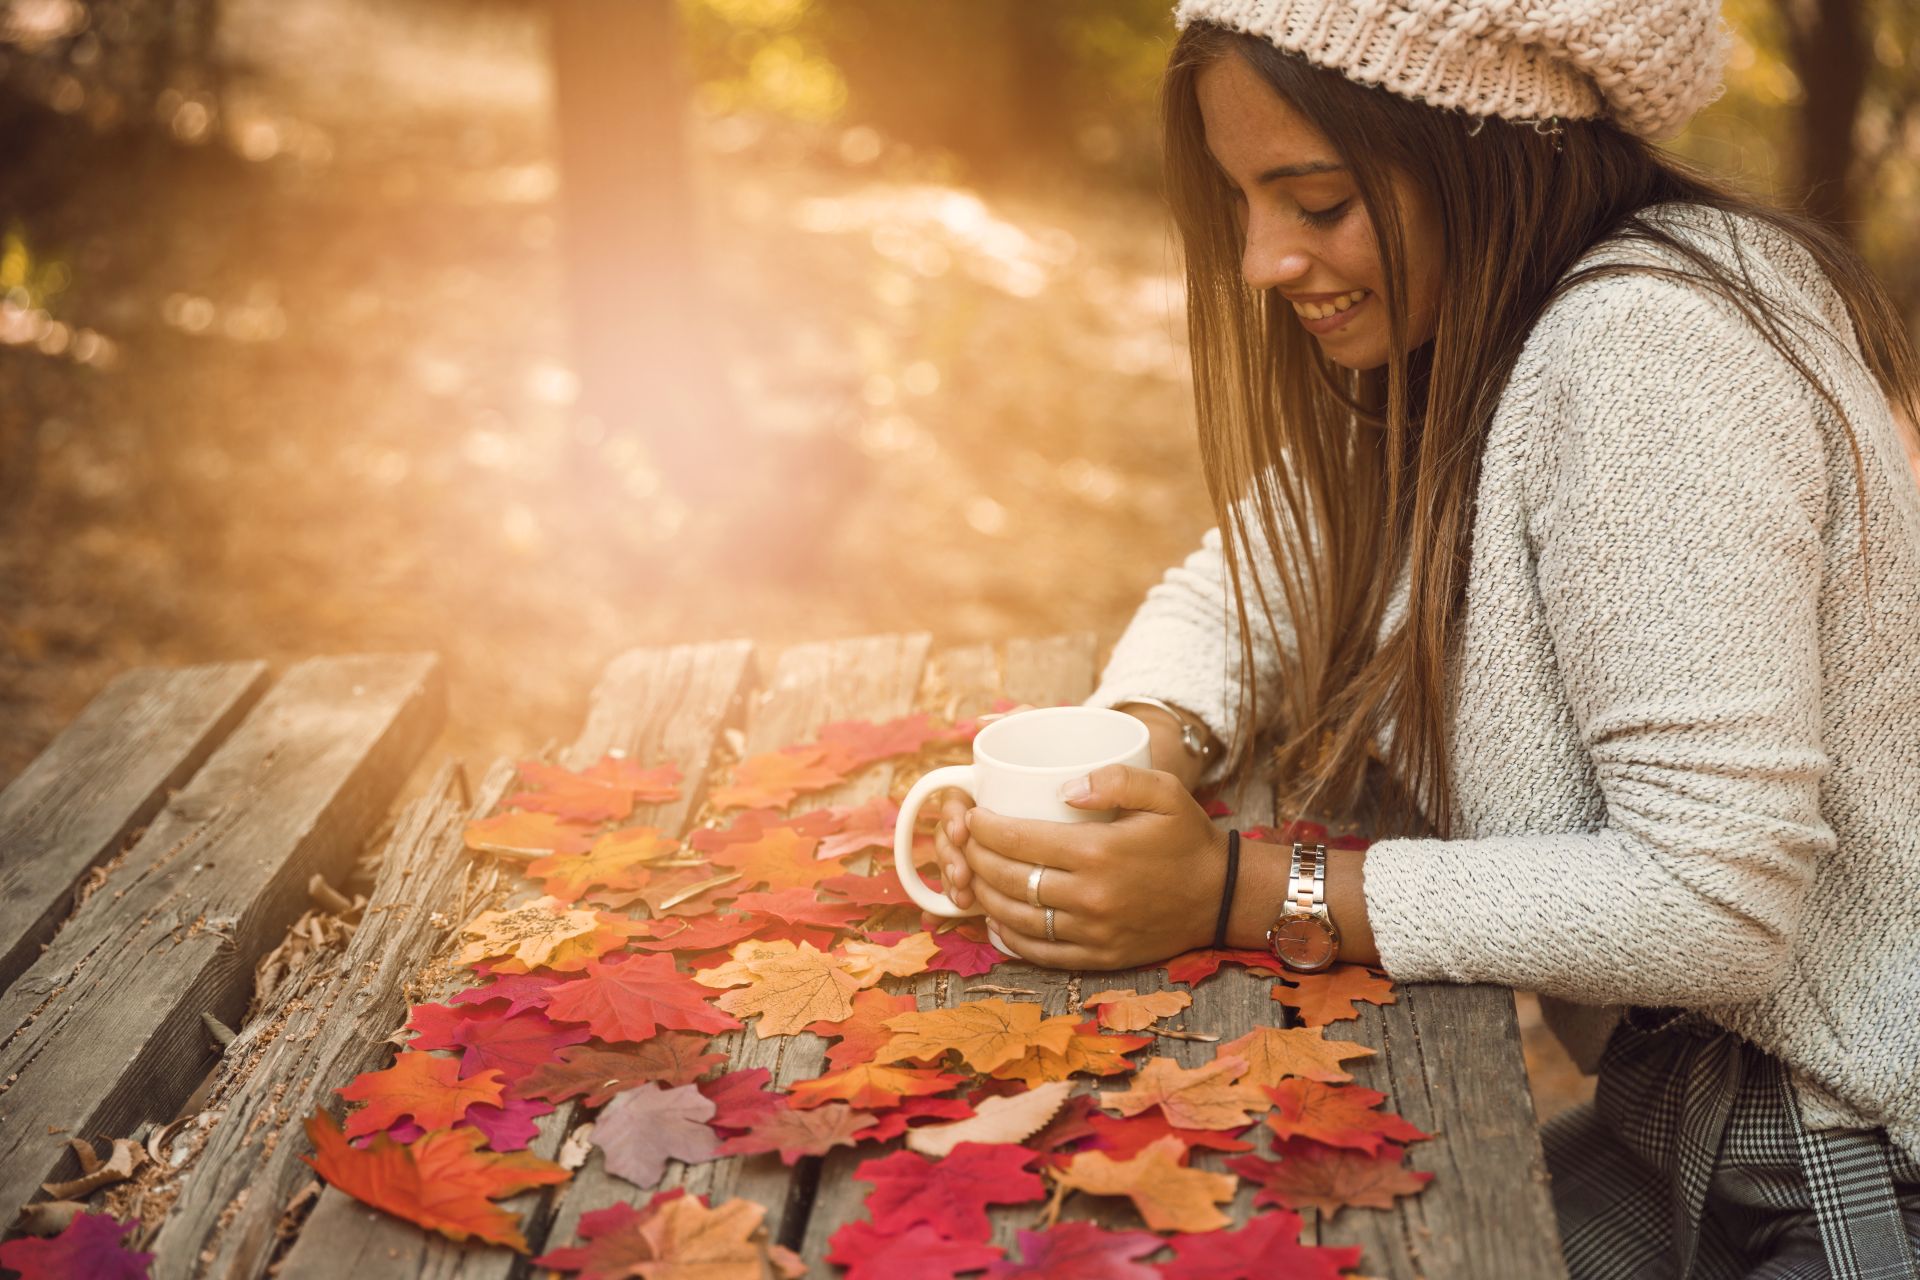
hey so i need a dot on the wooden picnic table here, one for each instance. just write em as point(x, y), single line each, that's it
point(165, 842)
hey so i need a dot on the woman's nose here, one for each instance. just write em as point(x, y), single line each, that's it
point(1271, 260)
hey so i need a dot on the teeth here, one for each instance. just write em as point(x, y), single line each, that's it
point(1321, 310)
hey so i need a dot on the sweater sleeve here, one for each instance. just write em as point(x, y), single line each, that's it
point(1677, 539)
point(1182, 646)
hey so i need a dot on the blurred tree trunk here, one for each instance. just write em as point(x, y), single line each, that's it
point(643, 340)
point(1828, 44)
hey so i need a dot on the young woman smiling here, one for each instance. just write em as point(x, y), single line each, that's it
point(1581, 533)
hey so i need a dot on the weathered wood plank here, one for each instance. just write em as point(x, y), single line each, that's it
point(331, 1025)
point(103, 1030)
point(873, 677)
point(105, 775)
point(654, 704)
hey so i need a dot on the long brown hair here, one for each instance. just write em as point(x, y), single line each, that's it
point(1371, 469)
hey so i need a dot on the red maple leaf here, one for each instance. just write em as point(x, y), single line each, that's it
point(775, 778)
point(89, 1248)
point(881, 889)
point(751, 824)
point(1340, 1115)
point(801, 1133)
point(1192, 966)
point(780, 859)
point(1267, 1246)
point(965, 950)
point(852, 744)
point(921, 1253)
point(1069, 1125)
point(568, 795)
point(862, 1034)
point(511, 1043)
point(951, 1194)
point(615, 1247)
point(635, 997)
point(1124, 1138)
point(651, 784)
point(1080, 1251)
point(799, 906)
point(519, 990)
point(895, 1121)
point(509, 1126)
point(682, 934)
point(419, 1085)
point(868, 826)
point(741, 1099)
point(597, 1074)
point(1311, 1175)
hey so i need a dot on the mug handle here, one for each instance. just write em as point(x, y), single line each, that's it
point(931, 902)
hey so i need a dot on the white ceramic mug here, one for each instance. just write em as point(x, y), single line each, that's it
point(1020, 763)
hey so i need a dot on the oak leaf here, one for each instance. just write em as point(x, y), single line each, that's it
point(1013, 1118)
point(1328, 997)
point(1168, 1195)
point(528, 934)
point(639, 1130)
point(1269, 1245)
point(419, 1085)
point(1123, 1010)
point(519, 834)
point(775, 778)
point(985, 1033)
point(950, 1194)
point(1080, 1251)
point(1311, 1175)
point(632, 998)
point(1274, 1053)
point(871, 1086)
point(1340, 1115)
point(801, 1133)
point(1203, 1097)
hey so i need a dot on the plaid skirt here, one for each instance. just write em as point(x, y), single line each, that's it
point(1692, 1163)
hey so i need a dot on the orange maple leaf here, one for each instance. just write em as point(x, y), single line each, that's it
point(1311, 1175)
point(1169, 1195)
point(779, 857)
point(1274, 1053)
point(528, 933)
point(788, 989)
point(569, 795)
point(1122, 1010)
point(871, 1086)
point(869, 962)
point(617, 860)
point(1328, 997)
point(419, 1085)
point(1340, 1115)
point(692, 1242)
point(441, 1181)
point(774, 778)
point(985, 1033)
point(518, 834)
point(1088, 1052)
point(1204, 1097)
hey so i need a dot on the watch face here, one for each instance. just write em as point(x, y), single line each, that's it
point(1304, 943)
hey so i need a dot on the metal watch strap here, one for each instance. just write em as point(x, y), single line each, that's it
point(1307, 877)
point(1189, 735)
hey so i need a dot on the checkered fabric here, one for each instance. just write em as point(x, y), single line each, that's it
point(1692, 1163)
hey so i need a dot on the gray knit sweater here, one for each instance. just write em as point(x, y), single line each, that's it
point(1685, 743)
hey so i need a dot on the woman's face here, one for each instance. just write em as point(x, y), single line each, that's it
point(1307, 234)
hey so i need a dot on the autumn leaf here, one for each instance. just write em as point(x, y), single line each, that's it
point(1193, 966)
point(694, 1242)
point(597, 1074)
point(871, 1086)
point(1203, 1097)
point(650, 784)
point(869, 962)
point(854, 744)
point(520, 990)
point(1013, 1118)
point(775, 778)
point(689, 891)
point(509, 1126)
point(1089, 1052)
point(863, 1031)
point(518, 834)
point(788, 990)
point(741, 1098)
point(89, 1248)
point(570, 796)
point(867, 826)
point(780, 859)
point(920, 1253)
point(1328, 997)
point(632, 998)
point(950, 1194)
point(1123, 1010)
point(1080, 1251)
point(895, 1121)
point(528, 934)
point(801, 1133)
point(965, 950)
point(442, 1181)
point(1269, 1245)
point(799, 906)
point(700, 933)
point(419, 1085)
point(880, 889)
point(617, 860)
point(639, 1130)
point(1123, 1137)
point(1274, 1053)
point(1168, 1195)
point(511, 1043)
point(1311, 1175)
point(615, 1249)
point(985, 1033)
point(1338, 1115)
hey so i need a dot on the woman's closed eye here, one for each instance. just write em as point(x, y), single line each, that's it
point(1325, 217)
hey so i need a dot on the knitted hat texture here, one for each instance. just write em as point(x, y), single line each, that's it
point(1647, 64)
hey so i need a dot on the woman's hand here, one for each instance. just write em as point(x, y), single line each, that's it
point(1129, 892)
point(951, 831)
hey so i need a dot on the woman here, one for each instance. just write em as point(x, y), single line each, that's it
point(1600, 543)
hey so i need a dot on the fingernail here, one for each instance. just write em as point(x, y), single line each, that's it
point(1078, 789)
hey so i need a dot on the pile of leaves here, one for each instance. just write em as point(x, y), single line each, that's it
point(790, 924)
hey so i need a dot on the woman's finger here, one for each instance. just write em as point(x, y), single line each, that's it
point(1015, 913)
point(1059, 889)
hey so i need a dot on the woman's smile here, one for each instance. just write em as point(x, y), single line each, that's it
point(1325, 317)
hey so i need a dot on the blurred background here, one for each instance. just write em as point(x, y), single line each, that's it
point(528, 331)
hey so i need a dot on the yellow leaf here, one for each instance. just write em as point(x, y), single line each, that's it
point(1123, 1010)
point(1204, 1097)
point(1169, 1195)
point(1273, 1054)
point(985, 1033)
point(789, 991)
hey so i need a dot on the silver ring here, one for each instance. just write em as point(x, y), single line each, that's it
point(1050, 937)
point(1033, 885)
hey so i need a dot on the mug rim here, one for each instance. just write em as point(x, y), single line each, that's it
point(1144, 738)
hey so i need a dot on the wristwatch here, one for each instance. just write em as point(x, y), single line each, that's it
point(1302, 936)
point(1189, 734)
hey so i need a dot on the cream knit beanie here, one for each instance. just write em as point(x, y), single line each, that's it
point(1647, 64)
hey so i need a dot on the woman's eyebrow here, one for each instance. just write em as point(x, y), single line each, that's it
point(1300, 170)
